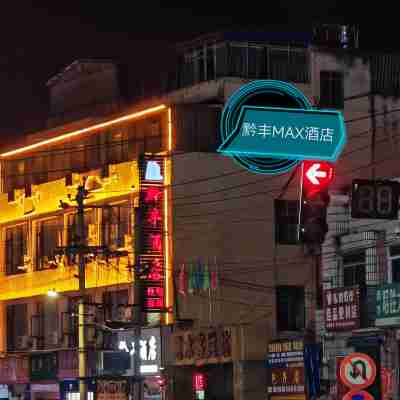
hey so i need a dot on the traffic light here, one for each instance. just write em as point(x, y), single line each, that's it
point(316, 177)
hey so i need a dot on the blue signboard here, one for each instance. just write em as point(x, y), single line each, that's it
point(287, 133)
point(273, 140)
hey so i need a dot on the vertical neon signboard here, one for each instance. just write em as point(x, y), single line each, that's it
point(152, 248)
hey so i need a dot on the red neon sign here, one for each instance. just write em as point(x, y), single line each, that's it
point(317, 175)
point(154, 217)
point(152, 194)
point(156, 242)
point(199, 381)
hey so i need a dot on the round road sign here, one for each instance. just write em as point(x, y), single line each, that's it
point(357, 371)
point(357, 395)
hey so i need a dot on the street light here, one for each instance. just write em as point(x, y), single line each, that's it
point(52, 293)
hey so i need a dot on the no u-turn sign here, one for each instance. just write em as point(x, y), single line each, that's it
point(357, 371)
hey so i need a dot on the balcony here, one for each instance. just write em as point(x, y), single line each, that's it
point(63, 280)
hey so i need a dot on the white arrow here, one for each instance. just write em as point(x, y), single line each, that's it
point(313, 173)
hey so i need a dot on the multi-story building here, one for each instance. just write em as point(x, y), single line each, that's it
point(39, 227)
point(232, 235)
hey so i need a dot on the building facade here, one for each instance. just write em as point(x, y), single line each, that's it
point(40, 234)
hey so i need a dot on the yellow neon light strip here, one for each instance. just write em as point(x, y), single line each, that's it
point(85, 130)
point(169, 130)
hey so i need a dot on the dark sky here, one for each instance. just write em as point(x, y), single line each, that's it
point(39, 38)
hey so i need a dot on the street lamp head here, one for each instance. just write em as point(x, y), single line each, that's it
point(52, 293)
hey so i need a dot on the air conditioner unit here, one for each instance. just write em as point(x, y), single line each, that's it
point(23, 342)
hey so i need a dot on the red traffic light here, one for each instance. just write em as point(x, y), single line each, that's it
point(317, 175)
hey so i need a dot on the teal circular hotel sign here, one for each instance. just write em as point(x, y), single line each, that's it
point(270, 126)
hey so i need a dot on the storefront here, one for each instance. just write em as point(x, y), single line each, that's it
point(68, 374)
point(203, 364)
point(151, 366)
point(69, 389)
point(43, 373)
point(14, 378)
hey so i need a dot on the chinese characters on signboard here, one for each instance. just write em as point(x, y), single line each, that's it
point(388, 304)
point(111, 390)
point(308, 133)
point(208, 346)
point(342, 309)
point(149, 350)
point(286, 367)
point(151, 257)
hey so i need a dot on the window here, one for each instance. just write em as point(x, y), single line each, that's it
point(286, 221)
point(112, 302)
point(115, 224)
point(73, 230)
point(16, 238)
point(331, 89)
point(49, 236)
point(238, 60)
point(395, 262)
point(117, 147)
point(70, 321)
point(50, 323)
point(354, 269)
point(153, 137)
point(17, 326)
point(290, 308)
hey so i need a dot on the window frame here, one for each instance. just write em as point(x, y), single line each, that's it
point(105, 226)
point(282, 222)
point(294, 297)
point(332, 99)
point(39, 263)
point(355, 263)
point(23, 247)
point(391, 259)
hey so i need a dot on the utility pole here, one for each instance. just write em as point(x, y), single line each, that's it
point(80, 197)
point(81, 248)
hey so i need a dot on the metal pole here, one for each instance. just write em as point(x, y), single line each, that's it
point(81, 310)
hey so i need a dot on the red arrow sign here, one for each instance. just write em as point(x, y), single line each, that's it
point(317, 175)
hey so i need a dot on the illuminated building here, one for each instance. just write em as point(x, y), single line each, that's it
point(38, 279)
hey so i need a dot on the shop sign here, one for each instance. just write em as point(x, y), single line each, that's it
point(43, 366)
point(388, 305)
point(286, 381)
point(111, 390)
point(285, 362)
point(149, 351)
point(152, 235)
point(342, 308)
point(284, 352)
point(48, 388)
point(202, 347)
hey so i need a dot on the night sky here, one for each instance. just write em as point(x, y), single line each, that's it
point(38, 40)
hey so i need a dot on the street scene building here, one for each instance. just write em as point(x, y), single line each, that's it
point(125, 234)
